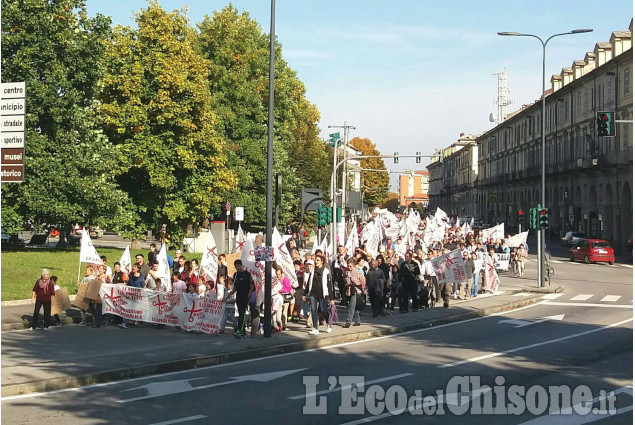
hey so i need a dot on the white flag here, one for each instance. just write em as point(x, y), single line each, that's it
point(240, 240)
point(164, 269)
point(353, 239)
point(283, 258)
point(255, 268)
point(209, 261)
point(516, 240)
point(88, 253)
point(125, 261)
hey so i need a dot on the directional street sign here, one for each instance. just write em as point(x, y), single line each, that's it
point(334, 136)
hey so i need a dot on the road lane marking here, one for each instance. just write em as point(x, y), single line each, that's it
point(552, 296)
point(581, 297)
point(626, 306)
point(557, 261)
point(538, 344)
point(611, 298)
point(630, 266)
point(161, 389)
point(523, 323)
point(456, 399)
point(275, 356)
point(523, 294)
point(346, 387)
point(181, 420)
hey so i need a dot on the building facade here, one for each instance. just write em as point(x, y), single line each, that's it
point(414, 187)
point(588, 179)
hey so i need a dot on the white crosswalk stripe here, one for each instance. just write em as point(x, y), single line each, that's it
point(581, 297)
point(552, 296)
point(557, 262)
point(611, 298)
point(629, 266)
point(522, 294)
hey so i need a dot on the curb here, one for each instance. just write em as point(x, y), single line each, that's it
point(247, 354)
point(25, 302)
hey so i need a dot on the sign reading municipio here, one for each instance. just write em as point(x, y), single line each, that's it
point(12, 122)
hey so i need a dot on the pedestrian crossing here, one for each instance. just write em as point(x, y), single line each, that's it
point(577, 298)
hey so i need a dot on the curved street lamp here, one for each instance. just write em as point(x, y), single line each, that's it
point(541, 233)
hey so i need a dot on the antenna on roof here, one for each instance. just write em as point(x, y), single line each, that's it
point(502, 101)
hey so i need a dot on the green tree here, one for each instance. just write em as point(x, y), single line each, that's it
point(156, 107)
point(69, 165)
point(375, 183)
point(238, 51)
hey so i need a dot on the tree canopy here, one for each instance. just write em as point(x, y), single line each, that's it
point(373, 182)
point(131, 128)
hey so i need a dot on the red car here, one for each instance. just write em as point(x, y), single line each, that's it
point(592, 250)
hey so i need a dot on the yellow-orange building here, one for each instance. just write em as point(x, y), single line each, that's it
point(413, 187)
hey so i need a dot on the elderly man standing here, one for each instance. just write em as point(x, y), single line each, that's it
point(43, 295)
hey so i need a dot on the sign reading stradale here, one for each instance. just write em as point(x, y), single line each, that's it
point(12, 122)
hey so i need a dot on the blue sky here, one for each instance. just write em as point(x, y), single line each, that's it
point(412, 75)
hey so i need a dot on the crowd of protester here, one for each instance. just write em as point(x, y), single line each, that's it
point(356, 280)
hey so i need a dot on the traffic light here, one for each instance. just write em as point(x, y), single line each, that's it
point(543, 218)
point(339, 214)
point(329, 215)
point(605, 124)
point(521, 215)
point(334, 138)
point(418, 158)
point(396, 158)
point(321, 215)
point(533, 219)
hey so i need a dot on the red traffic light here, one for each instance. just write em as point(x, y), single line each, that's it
point(603, 117)
point(543, 212)
point(520, 212)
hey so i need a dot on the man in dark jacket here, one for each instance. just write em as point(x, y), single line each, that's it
point(375, 282)
point(409, 271)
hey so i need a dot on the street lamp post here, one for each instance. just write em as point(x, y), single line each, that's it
point(541, 233)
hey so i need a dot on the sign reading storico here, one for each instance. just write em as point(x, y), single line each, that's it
point(12, 122)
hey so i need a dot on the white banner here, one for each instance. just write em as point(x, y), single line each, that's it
point(185, 310)
point(516, 240)
point(497, 232)
point(125, 261)
point(88, 253)
point(209, 261)
point(450, 267)
point(503, 261)
point(491, 280)
point(283, 258)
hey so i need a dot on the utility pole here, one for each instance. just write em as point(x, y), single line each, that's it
point(333, 231)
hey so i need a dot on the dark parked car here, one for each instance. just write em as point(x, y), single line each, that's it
point(572, 238)
point(592, 250)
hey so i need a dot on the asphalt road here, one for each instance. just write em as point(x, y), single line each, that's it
point(582, 337)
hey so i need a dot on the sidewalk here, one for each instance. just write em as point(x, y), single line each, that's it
point(71, 356)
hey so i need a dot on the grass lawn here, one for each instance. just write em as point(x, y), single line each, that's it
point(20, 269)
